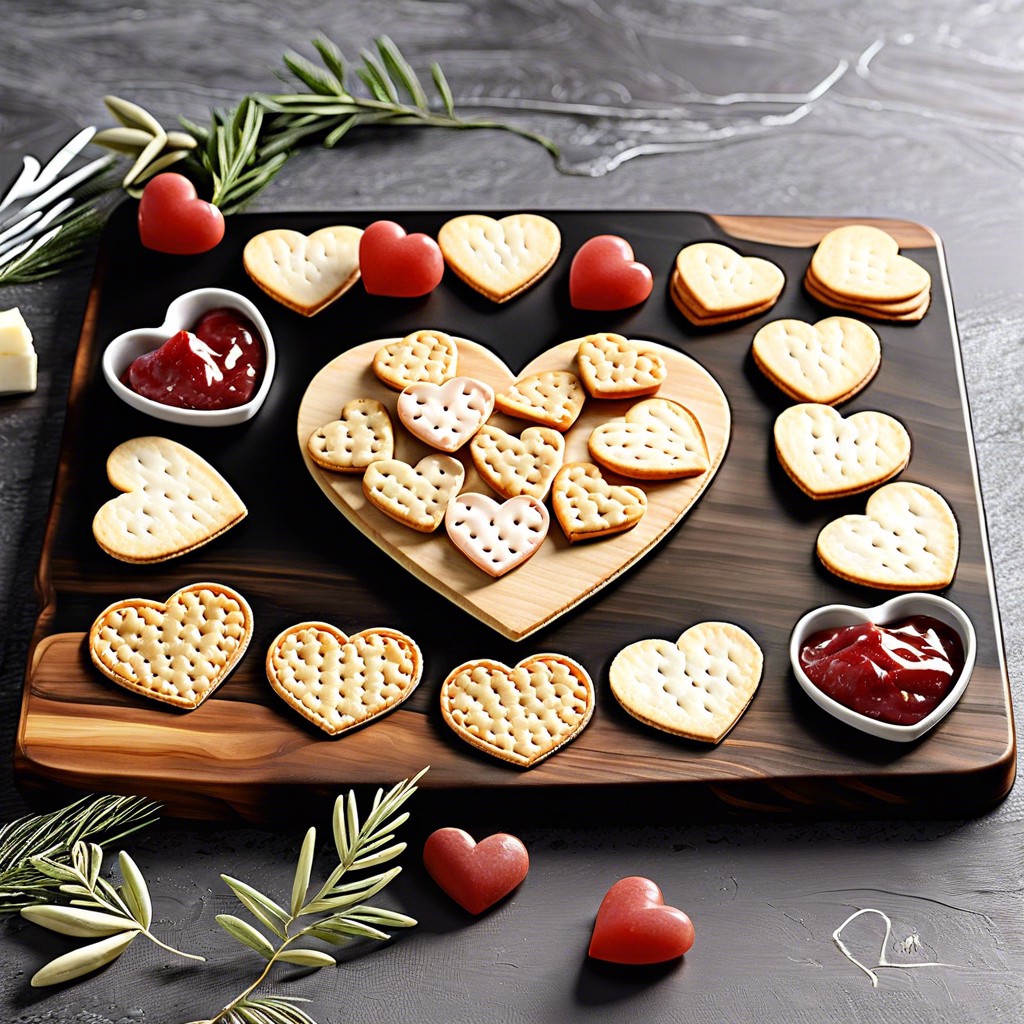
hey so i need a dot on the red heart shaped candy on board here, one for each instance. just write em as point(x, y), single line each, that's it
point(604, 275)
point(634, 926)
point(475, 875)
point(396, 264)
point(173, 219)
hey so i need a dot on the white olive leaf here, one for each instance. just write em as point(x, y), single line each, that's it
point(149, 154)
point(381, 857)
point(131, 115)
point(50, 868)
point(303, 869)
point(84, 960)
point(78, 922)
point(180, 140)
point(130, 141)
point(135, 892)
point(340, 831)
point(95, 863)
point(263, 908)
point(307, 958)
point(246, 934)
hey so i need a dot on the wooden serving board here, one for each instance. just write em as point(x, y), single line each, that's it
point(744, 552)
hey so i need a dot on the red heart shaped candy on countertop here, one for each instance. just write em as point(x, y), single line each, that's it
point(173, 219)
point(396, 264)
point(475, 875)
point(634, 926)
point(604, 275)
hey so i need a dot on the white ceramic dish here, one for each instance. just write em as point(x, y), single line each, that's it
point(182, 314)
point(830, 616)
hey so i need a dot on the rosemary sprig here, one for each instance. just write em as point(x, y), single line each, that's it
point(337, 913)
point(103, 819)
point(114, 917)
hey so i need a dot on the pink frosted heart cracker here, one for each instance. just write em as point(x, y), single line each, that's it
point(496, 536)
point(447, 415)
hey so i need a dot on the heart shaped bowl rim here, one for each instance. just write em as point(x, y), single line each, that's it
point(830, 616)
point(184, 311)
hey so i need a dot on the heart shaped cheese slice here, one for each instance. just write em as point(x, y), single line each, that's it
point(829, 456)
point(697, 687)
point(721, 281)
point(177, 652)
point(500, 258)
point(906, 540)
point(339, 682)
point(415, 496)
point(304, 273)
point(520, 715)
point(552, 398)
point(826, 362)
point(362, 435)
point(612, 366)
point(447, 415)
point(862, 263)
point(587, 506)
point(174, 502)
point(512, 465)
point(656, 440)
point(422, 356)
point(496, 537)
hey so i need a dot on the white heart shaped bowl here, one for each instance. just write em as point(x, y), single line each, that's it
point(182, 314)
point(831, 616)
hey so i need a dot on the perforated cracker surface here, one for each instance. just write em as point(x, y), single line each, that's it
point(496, 537)
point(553, 398)
point(512, 465)
point(447, 415)
point(720, 280)
point(362, 435)
point(612, 366)
point(430, 356)
point(415, 496)
point(520, 715)
point(861, 262)
point(587, 506)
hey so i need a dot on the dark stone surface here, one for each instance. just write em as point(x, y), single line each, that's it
point(906, 110)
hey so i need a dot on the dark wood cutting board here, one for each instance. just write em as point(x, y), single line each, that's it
point(744, 553)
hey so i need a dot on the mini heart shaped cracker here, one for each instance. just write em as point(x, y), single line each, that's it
point(907, 539)
point(612, 366)
point(306, 273)
point(174, 502)
point(363, 434)
point(862, 263)
point(829, 456)
point(717, 281)
point(519, 715)
point(552, 398)
point(634, 926)
point(604, 275)
point(177, 652)
point(475, 875)
point(697, 687)
point(339, 682)
point(588, 507)
point(512, 465)
point(429, 356)
point(447, 415)
point(656, 440)
point(500, 258)
point(496, 537)
point(415, 496)
point(826, 362)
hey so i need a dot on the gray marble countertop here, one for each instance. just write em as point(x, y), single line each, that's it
point(906, 110)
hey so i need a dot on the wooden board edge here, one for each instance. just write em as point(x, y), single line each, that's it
point(801, 232)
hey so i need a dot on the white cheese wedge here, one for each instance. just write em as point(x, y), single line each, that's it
point(18, 361)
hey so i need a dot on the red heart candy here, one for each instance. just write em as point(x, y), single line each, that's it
point(475, 875)
point(172, 218)
point(634, 926)
point(396, 264)
point(604, 275)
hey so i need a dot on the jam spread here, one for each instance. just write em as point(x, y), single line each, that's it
point(896, 673)
point(217, 365)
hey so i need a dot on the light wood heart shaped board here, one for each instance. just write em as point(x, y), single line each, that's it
point(560, 575)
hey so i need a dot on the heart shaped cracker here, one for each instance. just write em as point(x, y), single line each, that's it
point(720, 281)
point(306, 273)
point(829, 456)
point(907, 539)
point(414, 496)
point(512, 465)
point(553, 398)
point(697, 687)
point(496, 537)
point(862, 263)
point(826, 362)
point(560, 574)
point(587, 506)
point(177, 652)
point(520, 715)
point(447, 415)
point(339, 682)
point(421, 356)
point(362, 435)
point(174, 502)
point(612, 366)
point(500, 258)
point(657, 439)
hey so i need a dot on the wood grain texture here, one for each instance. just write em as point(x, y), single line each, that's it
point(744, 553)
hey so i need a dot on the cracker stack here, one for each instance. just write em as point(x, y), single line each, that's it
point(713, 284)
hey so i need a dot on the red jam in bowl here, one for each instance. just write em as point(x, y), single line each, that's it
point(896, 673)
point(217, 365)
